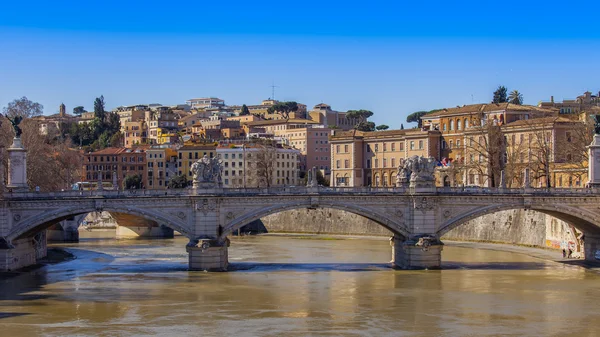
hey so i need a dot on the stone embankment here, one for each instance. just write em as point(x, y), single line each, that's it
point(520, 227)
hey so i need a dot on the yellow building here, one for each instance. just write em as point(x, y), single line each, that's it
point(372, 158)
point(162, 164)
point(134, 133)
point(190, 153)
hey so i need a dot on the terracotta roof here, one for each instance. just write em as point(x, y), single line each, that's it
point(476, 108)
point(543, 120)
point(282, 121)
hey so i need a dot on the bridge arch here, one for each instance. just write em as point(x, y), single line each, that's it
point(246, 218)
point(38, 222)
point(582, 219)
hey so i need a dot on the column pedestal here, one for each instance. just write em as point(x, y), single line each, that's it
point(17, 167)
point(208, 255)
point(418, 252)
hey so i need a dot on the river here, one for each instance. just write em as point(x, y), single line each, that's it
point(297, 286)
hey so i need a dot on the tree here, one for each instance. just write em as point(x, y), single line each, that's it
point(382, 127)
point(99, 107)
point(416, 117)
point(365, 126)
point(500, 95)
point(484, 153)
point(178, 181)
point(515, 97)
point(264, 165)
point(78, 110)
point(283, 108)
point(133, 181)
point(23, 107)
point(244, 111)
point(321, 180)
point(360, 116)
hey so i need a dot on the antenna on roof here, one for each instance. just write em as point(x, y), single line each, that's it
point(273, 86)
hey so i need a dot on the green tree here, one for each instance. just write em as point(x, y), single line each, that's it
point(360, 116)
point(365, 126)
point(500, 95)
point(416, 117)
point(244, 111)
point(321, 180)
point(382, 127)
point(515, 97)
point(133, 181)
point(23, 107)
point(283, 108)
point(178, 181)
point(78, 110)
point(99, 108)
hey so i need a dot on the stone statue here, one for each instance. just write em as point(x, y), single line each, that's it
point(15, 124)
point(597, 124)
point(403, 174)
point(206, 171)
point(419, 171)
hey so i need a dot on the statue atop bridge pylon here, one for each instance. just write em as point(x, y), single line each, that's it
point(416, 172)
point(207, 172)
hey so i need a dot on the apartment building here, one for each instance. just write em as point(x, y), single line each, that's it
point(190, 153)
point(134, 133)
point(206, 102)
point(114, 164)
point(372, 158)
point(252, 165)
point(162, 166)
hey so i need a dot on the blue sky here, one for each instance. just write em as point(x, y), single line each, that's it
point(389, 57)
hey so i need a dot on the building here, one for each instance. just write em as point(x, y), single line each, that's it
point(114, 164)
point(313, 144)
point(324, 115)
point(206, 102)
point(162, 126)
point(372, 158)
point(254, 165)
point(573, 106)
point(51, 125)
point(162, 166)
point(262, 110)
point(134, 133)
point(190, 153)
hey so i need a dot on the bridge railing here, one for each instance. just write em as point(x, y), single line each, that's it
point(300, 190)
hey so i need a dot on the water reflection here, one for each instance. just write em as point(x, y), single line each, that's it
point(297, 287)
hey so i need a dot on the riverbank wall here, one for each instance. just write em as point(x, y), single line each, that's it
point(521, 227)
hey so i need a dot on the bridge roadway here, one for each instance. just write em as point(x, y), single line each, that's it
point(416, 217)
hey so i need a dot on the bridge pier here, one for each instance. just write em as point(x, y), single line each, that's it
point(144, 232)
point(416, 252)
point(591, 246)
point(62, 233)
point(22, 253)
point(208, 255)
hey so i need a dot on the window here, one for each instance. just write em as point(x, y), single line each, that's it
point(384, 147)
point(368, 148)
point(376, 162)
point(368, 163)
point(401, 146)
point(451, 125)
point(420, 145)
point(451, 143)
point(346, 163)
point(466, 123)
point(376, 147)
point(393, 147)
point(458, 124)
point(393, 162)
point(458, 143)
point(444, 127)
point(384, 162)
point(337, 164)
point(346, 148)
point(412, 145)
point(337, 149)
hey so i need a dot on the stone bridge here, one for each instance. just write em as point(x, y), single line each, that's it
point(417, 217)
